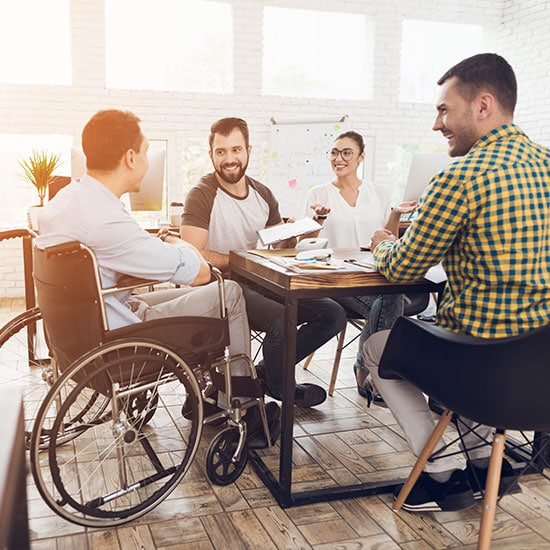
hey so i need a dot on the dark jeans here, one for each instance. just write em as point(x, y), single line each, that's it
point(380, 312)
point(318, 320)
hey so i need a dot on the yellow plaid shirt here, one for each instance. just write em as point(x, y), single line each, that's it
point(487, 218)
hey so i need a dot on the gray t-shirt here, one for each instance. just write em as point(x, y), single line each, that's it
point(232, 222)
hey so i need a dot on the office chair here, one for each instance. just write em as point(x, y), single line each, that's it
point(414, 304)
point(496, 382)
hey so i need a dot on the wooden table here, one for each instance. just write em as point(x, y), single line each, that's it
point(291, 287)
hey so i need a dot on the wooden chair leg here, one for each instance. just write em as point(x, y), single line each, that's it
point(491, 491)
point(336, 363)
point(308, 360)
point(427, 451)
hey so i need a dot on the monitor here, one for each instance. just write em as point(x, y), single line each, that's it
point(149, 197)
point(423, 167)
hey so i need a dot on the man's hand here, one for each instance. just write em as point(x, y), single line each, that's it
point(381, 235)
point(405, 207)
point(290, 242)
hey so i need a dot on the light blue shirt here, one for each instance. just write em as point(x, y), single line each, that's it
point(88, 212)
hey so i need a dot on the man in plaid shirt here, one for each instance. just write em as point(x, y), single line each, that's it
point(486, 217)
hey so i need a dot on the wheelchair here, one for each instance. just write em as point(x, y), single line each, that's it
point(110, 440)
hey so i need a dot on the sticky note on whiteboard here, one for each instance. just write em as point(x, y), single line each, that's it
point(292, 183)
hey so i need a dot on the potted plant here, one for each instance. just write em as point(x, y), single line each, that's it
point(38, 170)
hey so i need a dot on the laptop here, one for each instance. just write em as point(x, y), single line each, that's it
point(423, 167)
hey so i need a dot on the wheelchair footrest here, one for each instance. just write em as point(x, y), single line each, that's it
point(240, 385)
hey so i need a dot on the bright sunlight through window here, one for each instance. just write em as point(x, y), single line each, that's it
point(317, 54)
point(428, 49)
point(183, 45)
point(35, 40)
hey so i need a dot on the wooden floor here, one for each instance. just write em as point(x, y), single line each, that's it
point(341, 441)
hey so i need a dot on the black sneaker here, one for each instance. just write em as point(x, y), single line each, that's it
point(208, 410)
point(477, 478)
point(309, 395)
point(305, 395)
point(429, 495)
point(255, 435)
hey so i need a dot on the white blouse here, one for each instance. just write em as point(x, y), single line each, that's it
point(351, 226)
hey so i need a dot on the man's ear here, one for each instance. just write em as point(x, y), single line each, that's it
point(249, 149)
point(129, 158)
point(485, 105)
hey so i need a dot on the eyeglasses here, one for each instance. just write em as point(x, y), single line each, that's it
point(346, 154)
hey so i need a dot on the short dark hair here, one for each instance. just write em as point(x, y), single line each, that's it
point(358, 138)
point(225, 126)
point(107, 136)
point(485, 70)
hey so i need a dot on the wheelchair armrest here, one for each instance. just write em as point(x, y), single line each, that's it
point(216, 275)
point(128, 282)
point(16, 233)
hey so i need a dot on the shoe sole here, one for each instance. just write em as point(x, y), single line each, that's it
point(450, 504)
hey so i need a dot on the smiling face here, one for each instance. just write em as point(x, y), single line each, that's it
point(229, 156)
point(456, 119)
point(348, 148)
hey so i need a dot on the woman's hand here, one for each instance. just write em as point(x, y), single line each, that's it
point(320, 210)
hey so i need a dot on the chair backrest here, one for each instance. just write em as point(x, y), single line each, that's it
point(69, 297)
point(500, 382)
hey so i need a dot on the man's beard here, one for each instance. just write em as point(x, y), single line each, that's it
point(233, 177)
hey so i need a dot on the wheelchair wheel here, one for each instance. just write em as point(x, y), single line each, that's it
point(141, 408)
point(120, 464)
point(221, 468)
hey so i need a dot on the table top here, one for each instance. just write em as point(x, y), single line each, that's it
point(262, 270)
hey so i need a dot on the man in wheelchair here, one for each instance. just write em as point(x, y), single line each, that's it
point(89, 211)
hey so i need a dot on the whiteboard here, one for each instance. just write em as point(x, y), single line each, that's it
point(296, 160)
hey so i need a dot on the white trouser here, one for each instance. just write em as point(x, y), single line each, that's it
point(410, 408)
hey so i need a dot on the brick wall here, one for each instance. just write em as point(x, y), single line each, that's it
point(520, 28)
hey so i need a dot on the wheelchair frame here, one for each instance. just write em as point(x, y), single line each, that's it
point(109, 441)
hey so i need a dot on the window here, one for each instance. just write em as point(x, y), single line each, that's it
point(179, 45)
point(35, 40)
point(428, 49)
point(317, 54)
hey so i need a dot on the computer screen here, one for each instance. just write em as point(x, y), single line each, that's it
point(149, 197)
point(423, 167)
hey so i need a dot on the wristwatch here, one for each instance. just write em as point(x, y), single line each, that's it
point(321, 216)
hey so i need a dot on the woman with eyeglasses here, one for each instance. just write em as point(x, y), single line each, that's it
point(350, 210)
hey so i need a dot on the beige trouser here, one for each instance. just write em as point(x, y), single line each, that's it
point(410, 408)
